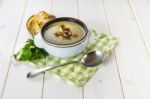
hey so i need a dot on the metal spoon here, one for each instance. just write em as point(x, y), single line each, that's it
point(91, 59)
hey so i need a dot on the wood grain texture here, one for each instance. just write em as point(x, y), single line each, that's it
point(54, 88)
point(132, 57)
point(141, 13)
point(9, 26)
point(17, 85)
point(105, 84)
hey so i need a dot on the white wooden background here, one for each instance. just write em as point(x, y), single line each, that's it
point(125, 75)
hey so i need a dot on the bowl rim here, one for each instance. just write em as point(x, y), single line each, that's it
point(70, 19)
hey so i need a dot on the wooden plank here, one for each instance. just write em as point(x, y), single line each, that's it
point(53, 88)
point(132, 56)
point(105, 84)
point(10, 19)
point(65, 8)
point(141, 13)
point(1, 1)
point(18, 86)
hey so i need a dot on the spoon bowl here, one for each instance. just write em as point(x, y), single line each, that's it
point(93, 58)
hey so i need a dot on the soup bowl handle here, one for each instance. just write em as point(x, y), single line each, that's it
point(38, 41)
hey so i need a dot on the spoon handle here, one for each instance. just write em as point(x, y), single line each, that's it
point(39, 71)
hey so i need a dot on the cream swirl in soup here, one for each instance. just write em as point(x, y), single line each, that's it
point(63, 33)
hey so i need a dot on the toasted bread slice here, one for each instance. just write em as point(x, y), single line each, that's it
point(35, 22)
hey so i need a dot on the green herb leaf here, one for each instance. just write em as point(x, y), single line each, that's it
point(30, 52)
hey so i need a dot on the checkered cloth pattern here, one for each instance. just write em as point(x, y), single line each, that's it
point(76, 74)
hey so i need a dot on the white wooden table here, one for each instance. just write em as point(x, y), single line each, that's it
point(125, 75)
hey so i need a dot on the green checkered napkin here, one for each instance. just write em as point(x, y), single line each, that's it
point(76, 74)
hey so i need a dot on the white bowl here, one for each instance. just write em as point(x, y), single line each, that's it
point(62, 51)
